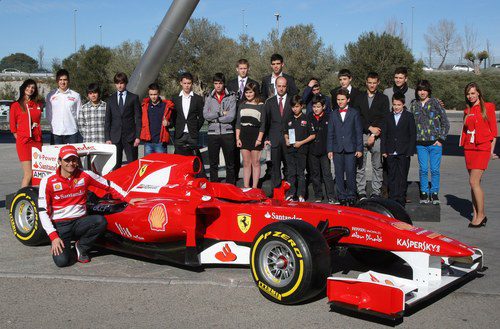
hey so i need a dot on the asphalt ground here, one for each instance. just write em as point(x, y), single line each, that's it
point(116, 291)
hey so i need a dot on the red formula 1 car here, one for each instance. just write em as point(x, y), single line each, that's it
point(288, 245)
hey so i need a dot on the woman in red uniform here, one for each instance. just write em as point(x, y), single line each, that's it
point(25, 115)
point(478, 139)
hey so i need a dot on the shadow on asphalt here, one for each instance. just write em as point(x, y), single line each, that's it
point(462, 206)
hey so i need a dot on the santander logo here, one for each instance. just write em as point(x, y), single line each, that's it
point(276, 216)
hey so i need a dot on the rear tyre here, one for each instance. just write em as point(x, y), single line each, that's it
point(389, 208)
point(290, 262)
point(25, 219)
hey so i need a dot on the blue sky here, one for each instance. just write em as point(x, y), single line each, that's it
point(26, 25)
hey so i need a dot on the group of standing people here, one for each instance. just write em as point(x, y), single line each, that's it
point(299, 132)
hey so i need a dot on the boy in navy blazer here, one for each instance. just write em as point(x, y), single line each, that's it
point(344, 145)
point(398, 138)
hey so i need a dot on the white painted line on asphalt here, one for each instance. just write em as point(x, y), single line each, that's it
point(231, 283)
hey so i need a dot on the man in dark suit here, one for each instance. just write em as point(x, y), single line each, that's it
point(344, 145)
point(123, 120)
point(268, 86)
point(187, 118)
point(345, 78)
point(277, 110)
point(373, 106)
point(398, 139)
point(237, 85)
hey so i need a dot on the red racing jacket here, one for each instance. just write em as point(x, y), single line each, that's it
point(61, 199)
point(145, 132)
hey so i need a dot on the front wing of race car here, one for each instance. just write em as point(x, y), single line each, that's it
point(389, 296)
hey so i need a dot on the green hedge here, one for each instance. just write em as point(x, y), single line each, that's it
point(449, 86)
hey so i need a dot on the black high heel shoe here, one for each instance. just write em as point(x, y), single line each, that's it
point(482, 223)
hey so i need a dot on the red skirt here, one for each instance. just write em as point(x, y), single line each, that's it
point(477, 159)
point(24, 148)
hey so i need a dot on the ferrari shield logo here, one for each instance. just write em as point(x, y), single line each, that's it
point(143, 170)
point(244, 222)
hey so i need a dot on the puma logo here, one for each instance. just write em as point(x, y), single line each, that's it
point(226, 255)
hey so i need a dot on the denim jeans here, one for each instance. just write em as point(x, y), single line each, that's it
point(65, 139)
point(154, 148)
point(429, 155)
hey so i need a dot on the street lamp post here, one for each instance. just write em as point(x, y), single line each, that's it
point(278, 22)
point(412, 28)
point(74, 27)
point(100, 35)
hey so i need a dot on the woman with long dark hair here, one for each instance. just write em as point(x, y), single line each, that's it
point(478, 139)
point(250, 128)
point(25, 115)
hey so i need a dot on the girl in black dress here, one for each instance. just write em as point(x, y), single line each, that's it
point(250, 128)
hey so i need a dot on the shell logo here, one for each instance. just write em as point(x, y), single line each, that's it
point(35, 155)
point(158, 218)
point(143, 170)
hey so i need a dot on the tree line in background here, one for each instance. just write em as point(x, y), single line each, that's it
point(203, 50)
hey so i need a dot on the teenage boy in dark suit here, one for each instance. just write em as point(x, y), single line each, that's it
point(237, 85)
point(320, 168)
point(123, 120)
point(268, 86)
point(398, 138)
point(344, 145)
point(345, 79)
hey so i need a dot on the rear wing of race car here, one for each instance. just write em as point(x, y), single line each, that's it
point(99, 158)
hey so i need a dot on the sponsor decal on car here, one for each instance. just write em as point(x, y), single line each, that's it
point(244, 222)
point(420, 245)
point(143, 170)
point(445, 239)
point(226, 255)
point(274, 215)
point(404, 226)
point(39, 174)
point(433, 235)
point(124, 231)
point(367, 237)
point(206, 198)
point(158, 218)
point(35, 155)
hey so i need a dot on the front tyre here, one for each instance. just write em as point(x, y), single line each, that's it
point(290, 262)
point(25, 219)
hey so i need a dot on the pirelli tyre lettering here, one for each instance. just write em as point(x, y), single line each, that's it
point(290, 262)
point(25, 219)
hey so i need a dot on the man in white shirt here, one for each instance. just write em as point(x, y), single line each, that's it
point(63, 106)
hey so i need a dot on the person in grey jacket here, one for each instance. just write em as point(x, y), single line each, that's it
point(220, 112)
point(401, 85)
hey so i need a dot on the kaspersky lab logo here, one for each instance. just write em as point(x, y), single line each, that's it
point(276, 216)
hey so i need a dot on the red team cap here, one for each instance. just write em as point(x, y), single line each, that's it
point(68, 151)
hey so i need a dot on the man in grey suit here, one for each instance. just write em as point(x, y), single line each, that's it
point(277, 110)
point(123, 121)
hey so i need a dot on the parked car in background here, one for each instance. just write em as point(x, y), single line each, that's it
point(496, 66)
point(462, 67)
point(427, 68)
point(4, 109)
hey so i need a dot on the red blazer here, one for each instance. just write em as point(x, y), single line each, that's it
point(145, 132)
point(21, 122)
point(484, 130)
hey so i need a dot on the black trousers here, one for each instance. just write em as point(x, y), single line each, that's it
point(398, 167)
point(296, 173)
point(186, 145)
point(321, 173)
point(277, 156)
point(86, 230)
point(345, 163)
point(131, 152)
point(228, 144)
